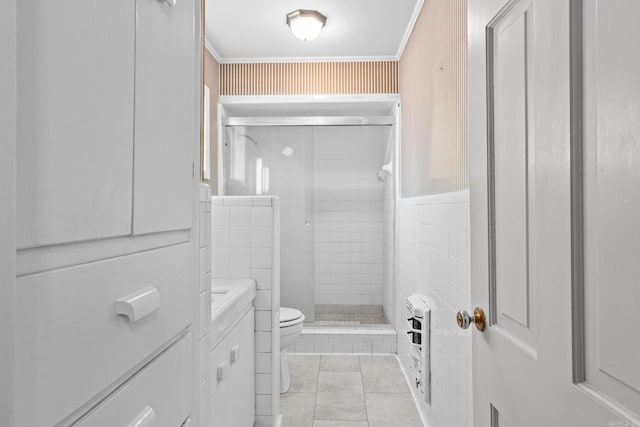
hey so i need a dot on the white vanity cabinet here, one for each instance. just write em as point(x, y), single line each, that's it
point(231, 377)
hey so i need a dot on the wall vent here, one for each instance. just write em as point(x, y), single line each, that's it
point(419, 336)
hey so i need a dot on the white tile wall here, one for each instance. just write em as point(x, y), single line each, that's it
point(345, 340)
point(432, 258)
point(388, 249)
point(348, 214)
point(246, 244)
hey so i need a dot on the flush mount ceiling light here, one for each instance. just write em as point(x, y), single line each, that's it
point(306, 24)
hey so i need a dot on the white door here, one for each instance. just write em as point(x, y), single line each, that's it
point(554, 125)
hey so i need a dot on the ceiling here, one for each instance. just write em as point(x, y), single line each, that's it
point(256, 30)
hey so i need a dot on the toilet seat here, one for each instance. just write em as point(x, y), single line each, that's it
point(290, 317)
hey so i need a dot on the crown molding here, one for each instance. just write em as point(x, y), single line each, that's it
point(407, 34)
point(298, 59)
point(212, 51)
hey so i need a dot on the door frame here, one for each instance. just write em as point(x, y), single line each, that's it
point(8, 84)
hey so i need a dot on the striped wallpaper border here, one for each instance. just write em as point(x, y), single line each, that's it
point(309, 78)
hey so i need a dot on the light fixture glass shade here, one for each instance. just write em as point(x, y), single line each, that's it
point(306, 24)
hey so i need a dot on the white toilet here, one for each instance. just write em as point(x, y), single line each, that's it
point(290, 328)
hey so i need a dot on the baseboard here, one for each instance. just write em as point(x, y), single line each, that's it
point(416, 398)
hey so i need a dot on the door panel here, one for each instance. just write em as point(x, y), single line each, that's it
point(166, 115)
point(509, 147)
point(612, 200)
point(497, 419)
point(524, 133)
point(75, 164)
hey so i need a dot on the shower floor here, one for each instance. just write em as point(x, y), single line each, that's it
point(349, 314)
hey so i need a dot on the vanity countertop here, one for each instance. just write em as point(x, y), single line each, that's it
point(230, 300)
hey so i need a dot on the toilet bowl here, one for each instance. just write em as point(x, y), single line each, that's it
point(290, 327)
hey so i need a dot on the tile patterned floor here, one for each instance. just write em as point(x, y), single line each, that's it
point(347, 391)
point(344, 314)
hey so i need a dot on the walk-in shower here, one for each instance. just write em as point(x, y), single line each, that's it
point(336, 203)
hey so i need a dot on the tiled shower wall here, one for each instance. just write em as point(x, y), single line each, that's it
point(349, 215)
point(388, 246)
point(432, 258)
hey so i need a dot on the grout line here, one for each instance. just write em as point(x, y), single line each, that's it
point(364, 393)
point(315, 399)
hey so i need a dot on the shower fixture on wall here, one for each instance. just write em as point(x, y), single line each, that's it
point(384, 173)
point(256, 144)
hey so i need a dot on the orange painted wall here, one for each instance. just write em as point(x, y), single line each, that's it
point(432, 80)
point(212, 80)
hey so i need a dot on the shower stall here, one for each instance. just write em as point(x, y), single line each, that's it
point(335, 183)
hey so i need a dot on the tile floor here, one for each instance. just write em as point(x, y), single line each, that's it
point(347, 391)
point(345, 314)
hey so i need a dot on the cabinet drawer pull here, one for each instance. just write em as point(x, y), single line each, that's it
point(235, 354)
point(146, 418)
point(221, 372)
point(139, 305)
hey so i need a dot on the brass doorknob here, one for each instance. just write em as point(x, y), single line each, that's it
point(465, 320)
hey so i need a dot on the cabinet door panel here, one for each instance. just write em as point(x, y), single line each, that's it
point(219, 401)
point(166, 115)
point(75, 120)
point(242, 388)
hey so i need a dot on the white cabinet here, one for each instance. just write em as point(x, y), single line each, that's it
point(167, 116)
point(72, 344)
point(158, 396)
point(107, 142)
point(107, 118)
point(232, 377)
point(75, 120)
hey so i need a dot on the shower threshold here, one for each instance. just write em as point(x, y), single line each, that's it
point(369, 339)
point(349, 329)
